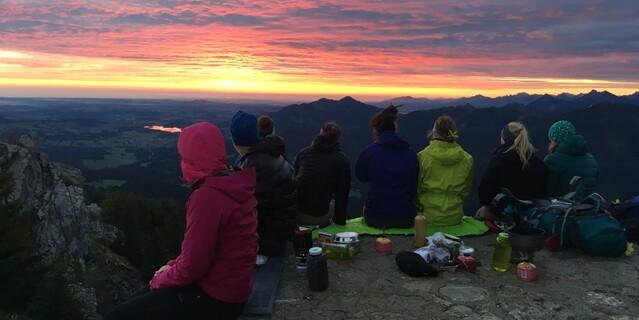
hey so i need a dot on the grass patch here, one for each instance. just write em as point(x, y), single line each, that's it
point(106, 184)
point(116, 157)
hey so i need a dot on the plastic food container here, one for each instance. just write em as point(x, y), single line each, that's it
point(338, 251)
point(348, 238)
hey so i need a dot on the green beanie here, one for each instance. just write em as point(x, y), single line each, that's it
point(560, 131)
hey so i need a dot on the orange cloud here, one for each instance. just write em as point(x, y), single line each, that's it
point(297, 48)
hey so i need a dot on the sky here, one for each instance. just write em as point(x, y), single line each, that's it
point(304, 49)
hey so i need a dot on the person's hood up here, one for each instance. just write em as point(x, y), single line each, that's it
point(238, 185)
point(272, 145)
point(391, 139)
point(447, 153)
point(202, 152)
point(575, 146)
point(323, 143)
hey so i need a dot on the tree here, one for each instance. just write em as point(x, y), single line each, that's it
point(151, 231)
point(53, 300)
point(20, 268)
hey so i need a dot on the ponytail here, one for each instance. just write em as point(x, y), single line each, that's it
point(386, 119)
point(521, 144)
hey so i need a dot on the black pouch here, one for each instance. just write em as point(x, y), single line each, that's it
point(414, 265)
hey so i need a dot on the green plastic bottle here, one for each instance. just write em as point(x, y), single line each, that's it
point(503, 251)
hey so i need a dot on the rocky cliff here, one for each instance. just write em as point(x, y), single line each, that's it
point(69, 231)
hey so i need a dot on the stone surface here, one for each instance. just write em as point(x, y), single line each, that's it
point(570, 286)
point(464, 293)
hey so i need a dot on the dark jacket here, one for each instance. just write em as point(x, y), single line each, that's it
point(323, 173)
point(391, 169)
point(569, 160)
point(505, 171)
point(275, 193)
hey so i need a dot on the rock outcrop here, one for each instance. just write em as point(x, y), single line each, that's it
point(67, 228)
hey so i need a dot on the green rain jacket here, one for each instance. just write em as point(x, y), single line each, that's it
point(445, 179)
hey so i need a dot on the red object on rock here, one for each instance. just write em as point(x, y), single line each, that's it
point(383, 245)
point(467, 263)
point(492, 227)
point(527, 272)
point(553, 243)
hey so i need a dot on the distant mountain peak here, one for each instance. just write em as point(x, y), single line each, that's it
point(348, 99)
point(600, 93)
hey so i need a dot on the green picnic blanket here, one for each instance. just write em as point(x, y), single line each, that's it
point(468, 227)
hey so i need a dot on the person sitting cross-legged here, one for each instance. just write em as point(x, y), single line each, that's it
point(323, 174)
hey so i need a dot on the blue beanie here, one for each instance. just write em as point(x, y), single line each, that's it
point(244, 129)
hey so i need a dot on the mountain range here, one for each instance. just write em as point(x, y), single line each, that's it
point(564, 102)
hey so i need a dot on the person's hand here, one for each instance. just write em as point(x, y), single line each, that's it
point(484, 213)
point(162, 269)
point(552, 147)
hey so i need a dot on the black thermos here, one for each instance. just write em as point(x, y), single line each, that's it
point(317, 270)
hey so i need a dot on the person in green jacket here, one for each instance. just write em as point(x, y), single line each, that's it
point(569, 157)
point(445, 175)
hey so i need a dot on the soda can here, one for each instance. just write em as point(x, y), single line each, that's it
point(527, 272)
point(383, 245)
point(467, 263)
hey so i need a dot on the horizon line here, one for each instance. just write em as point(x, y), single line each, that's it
point(285, 98)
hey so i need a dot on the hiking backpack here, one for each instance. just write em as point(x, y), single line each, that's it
point(628, 215)
point(586, 225)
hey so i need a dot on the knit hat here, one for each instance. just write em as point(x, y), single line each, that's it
point(244, 129)
point(560, 131)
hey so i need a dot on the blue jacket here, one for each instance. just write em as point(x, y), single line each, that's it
point(391, 169)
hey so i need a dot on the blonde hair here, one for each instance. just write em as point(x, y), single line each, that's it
point(522, 144)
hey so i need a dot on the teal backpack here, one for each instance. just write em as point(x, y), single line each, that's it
point(585, 225)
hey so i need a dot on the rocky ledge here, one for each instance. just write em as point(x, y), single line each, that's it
point(570, 286)
point(68, 229)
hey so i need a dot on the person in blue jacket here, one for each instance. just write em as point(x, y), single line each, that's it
point(391, 169)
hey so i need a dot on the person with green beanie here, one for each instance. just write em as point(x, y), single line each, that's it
point(445, 176)
point(569, 157)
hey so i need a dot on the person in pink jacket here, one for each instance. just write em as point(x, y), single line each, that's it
point(213, 276)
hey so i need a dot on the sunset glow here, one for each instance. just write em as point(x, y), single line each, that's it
point(368, 49)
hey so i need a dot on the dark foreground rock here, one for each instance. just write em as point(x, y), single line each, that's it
point(570, 286)
point(69, 231)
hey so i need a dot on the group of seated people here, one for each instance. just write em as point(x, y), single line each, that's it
point(237, 216)
point(435, 181)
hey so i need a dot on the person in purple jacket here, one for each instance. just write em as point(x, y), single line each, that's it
point(391, 169)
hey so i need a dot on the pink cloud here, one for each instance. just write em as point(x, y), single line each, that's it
point(339, 40)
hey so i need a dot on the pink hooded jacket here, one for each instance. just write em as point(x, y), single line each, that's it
point(220, 241)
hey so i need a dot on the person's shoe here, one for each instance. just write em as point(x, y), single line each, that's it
point(261, 260)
